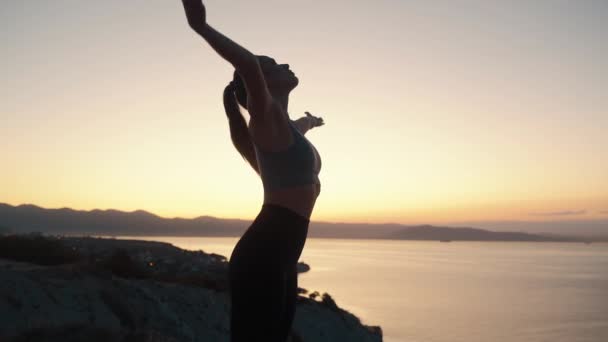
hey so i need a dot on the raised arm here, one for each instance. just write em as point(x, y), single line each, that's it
point(306, 123)
point(238, 128)
point(245, 62)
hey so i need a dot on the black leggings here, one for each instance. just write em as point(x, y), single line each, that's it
point(263, 276)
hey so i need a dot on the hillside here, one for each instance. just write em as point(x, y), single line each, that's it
point(30, 218)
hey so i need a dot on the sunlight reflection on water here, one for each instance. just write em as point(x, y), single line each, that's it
point(461, 291)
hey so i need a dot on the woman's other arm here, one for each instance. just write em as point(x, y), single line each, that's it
point(245, 62)
point(238, 128)
point(306, 123)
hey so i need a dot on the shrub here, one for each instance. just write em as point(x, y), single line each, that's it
point(37, 249)
point(121, 264)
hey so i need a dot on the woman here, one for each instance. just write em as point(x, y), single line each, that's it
point(262, 269)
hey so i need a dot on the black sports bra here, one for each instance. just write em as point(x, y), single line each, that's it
point(290, 167)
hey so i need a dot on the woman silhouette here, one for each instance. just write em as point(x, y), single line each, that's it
point(262, 268)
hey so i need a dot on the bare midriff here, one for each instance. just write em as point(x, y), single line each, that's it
point(301, 199)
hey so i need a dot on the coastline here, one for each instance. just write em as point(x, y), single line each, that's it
point(126, 288)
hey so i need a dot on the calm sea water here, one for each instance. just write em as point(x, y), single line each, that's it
point(459, 291)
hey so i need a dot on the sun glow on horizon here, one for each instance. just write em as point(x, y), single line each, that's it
point(436, 115)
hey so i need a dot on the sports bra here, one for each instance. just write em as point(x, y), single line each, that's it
point(292, 166)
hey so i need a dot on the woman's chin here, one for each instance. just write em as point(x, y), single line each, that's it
point(295, 81)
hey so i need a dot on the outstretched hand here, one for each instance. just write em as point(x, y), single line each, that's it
point(195, 13)
point(316, 121)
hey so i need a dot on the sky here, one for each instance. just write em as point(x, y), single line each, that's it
point(435, 111)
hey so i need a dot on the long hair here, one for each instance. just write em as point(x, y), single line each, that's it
point(239, 132)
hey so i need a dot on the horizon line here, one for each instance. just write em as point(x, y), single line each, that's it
point(327, 222)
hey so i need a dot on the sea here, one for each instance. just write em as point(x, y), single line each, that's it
point(456, 291)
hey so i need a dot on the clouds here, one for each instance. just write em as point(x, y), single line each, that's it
point(560, 213)
point(572, 212)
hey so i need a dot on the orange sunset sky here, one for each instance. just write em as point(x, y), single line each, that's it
point(435, 111)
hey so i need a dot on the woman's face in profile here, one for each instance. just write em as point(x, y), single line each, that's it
point(278, 76)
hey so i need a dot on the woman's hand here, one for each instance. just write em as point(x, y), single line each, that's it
point(196, 14)
point(316, 121)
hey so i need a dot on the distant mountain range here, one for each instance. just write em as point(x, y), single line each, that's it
point(31, 218)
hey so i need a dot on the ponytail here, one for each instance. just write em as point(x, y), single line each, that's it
point(239, 89)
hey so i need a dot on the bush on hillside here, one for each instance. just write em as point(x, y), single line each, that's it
point(37, 249)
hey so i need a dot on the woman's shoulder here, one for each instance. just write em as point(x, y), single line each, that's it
point(273, 132)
